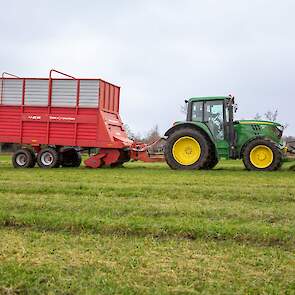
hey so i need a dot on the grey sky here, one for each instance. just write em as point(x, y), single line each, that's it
point(161, 52)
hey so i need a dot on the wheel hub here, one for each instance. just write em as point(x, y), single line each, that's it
point(186, 150)
point(21, 160)
point(47, 158)
point(261, 156)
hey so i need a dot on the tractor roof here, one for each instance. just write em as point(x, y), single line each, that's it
point(204, 98)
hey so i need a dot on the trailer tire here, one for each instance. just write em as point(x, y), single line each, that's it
point(34, 161)
point(78, 160)
point(23, 158)
point(70, 157)
point(187, 149)
point(124, 157)
point(48, 158)
point(262, 155)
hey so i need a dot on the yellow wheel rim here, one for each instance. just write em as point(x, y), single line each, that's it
point(186, 150)
point(261, 156)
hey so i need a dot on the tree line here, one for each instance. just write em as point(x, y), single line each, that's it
point(153, 133)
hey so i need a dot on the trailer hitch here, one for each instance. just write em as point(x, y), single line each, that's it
point(138, 151)
point(153, 152)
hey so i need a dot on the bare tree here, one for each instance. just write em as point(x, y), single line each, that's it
point(128, 131)
point(257, 116)
point(153, 135)
point(183, 108)
point(271, 116)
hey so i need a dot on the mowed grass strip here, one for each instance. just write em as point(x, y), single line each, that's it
point(61, 263)
point(146, 229)
point(153, 200)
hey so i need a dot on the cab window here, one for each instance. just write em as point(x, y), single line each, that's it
point(197, 111)
point(213, 116)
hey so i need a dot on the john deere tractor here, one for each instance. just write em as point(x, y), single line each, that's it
point(210, 133)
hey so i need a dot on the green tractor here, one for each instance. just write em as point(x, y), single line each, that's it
point(210, 133)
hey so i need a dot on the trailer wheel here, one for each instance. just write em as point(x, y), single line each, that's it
point(23, 158)
point(262, 155)
point(78, 160)
point(124, 157)
point(187, 149)
point(70, 158)
point(48, 158)
point(34, 161)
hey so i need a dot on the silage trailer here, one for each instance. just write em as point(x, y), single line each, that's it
point(55, 118)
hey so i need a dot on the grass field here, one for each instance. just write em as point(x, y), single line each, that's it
point(145, 229)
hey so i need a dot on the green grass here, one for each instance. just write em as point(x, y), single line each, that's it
point(146, 229)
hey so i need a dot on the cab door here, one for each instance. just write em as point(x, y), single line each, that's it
point(216, 120)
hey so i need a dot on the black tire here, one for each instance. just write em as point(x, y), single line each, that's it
point(34, 161)
point(213, 161)
point(70, 157)
point(78, 160)
point(117, 165)
point(277, 155)
point(212, 158)
point(124, 157)
point(23, 158)
point(199, 137)
point(48, 158)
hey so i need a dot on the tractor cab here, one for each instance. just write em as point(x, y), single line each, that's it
point(210, 133)
point(216, 113)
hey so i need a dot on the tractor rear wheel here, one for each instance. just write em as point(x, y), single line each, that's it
point(48, 158)
point(23, 158)
point(212, 158)
point(187, 149)
point(70, 157)
point(212, 162)
point(262, 155)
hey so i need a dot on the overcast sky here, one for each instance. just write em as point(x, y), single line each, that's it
point(161, 52)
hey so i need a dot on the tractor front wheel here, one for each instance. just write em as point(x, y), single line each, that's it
point(187, 149)
point(262, 155)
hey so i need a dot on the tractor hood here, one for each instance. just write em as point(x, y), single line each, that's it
point(258, 122)
point(255, 128)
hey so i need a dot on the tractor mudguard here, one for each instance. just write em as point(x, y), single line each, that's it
point(194, 125)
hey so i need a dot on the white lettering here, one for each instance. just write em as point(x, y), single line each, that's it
point(58, 118)
point(34, 117)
